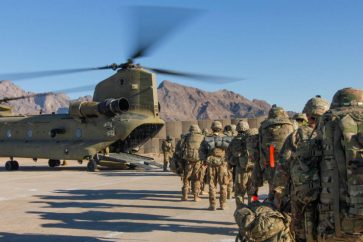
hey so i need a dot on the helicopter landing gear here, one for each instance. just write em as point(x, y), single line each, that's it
point(11, 165)
point(92, 165)
point(54, 163)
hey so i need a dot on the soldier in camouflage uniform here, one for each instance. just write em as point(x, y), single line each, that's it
point(193, 165)
point(340, 209)
point(213, 149)
point(234, 153)
point(249, 160)
point(168, 150)
point(286, 183)
point(272, 134)
point(230, 131)
point(300, 119)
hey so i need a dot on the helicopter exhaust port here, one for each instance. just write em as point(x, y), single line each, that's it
point(111, 107)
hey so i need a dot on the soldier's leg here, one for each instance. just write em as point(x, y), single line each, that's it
point(212, 182)
point(248, 186)
point(165, 167)
point(298, 220)
point(186, 183)
point(238, 188)
point(223, 180)
point(196, 180)
point(230, 184)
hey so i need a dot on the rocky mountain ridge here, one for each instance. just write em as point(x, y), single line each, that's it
point(177, 102)
point(180, 102)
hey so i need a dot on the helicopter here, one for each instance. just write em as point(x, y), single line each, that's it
point(123, 115)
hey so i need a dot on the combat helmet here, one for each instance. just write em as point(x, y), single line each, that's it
point(168, 138)
point(216, 126)
point(300, 117)
point(242, 126)
point(253, 131)
point(316, 106)
point(277, 112)
point(347, 97)
point(194, 128)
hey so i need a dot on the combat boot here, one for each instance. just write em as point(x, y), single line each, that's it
point(212, 207)
point(221, 206)
point(185, 194)
point(196, 198)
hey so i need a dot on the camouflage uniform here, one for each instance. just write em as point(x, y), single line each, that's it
point(230, 132)
point(193, 165)
point(340, 210)
point(287, 181)
point(234, 153)
point(168, 150)
point(272, 134)
point(249, 160)
point(262, 222)
point(214, 148)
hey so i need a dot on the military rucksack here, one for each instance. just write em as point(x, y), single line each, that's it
point(261, 222)
point(216, 147)
point(191, 147)
point(341, 170)
point(305, 166)
point(273, 133)
point(236, 149)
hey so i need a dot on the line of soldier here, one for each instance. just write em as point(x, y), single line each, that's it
point(313, 165)
point(315, 174)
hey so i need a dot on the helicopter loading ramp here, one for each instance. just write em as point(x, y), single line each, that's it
point(126, 161)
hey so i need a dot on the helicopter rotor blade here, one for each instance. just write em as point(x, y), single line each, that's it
point(197, 77)
point(152, 24)
point(38, 74)
point(68, 90)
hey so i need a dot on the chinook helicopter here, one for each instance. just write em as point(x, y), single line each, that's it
point(123, 115)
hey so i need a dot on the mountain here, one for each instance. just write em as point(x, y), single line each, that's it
point(34, 105)
point(180, 102)
point(177, 102)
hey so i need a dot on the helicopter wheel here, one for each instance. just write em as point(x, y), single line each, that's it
point(92, 165)
point(54, 163)
point(15, 165)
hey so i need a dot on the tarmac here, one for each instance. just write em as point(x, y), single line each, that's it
point(39, 203)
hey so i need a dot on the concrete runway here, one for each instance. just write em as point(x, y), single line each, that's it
point(38, 203)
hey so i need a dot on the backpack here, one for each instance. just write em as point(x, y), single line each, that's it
point(304, 169)
point(273, 133)
point(262, 222)
point(341, 171)
point(191, 148)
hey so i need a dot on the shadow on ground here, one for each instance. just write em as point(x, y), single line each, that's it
point(10, 237)
point(117, 221)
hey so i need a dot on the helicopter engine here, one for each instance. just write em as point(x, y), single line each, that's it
point(109, 107)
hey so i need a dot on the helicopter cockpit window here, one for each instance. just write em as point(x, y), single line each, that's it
point(8, 133)
point(29, 133)
point(78, 133)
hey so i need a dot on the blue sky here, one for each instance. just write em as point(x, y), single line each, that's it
point(287, 51)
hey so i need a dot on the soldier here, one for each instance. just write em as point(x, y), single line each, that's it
point(168, 150)
point(234, 153)
point(229, 131)
point(287, 181)
point(234, 130)
point(340, 210)
point(193, 166)
point(213, 149)
point(272, 134)
point(300, 119)
point(205, 132)
point(249, 160)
